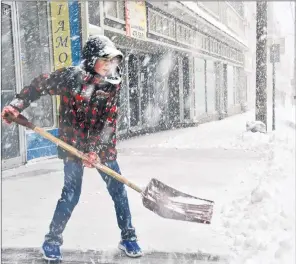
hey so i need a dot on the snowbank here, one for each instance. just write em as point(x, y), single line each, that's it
point(257, 215)
point(262, 223)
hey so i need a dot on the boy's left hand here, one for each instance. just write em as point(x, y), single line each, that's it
point(93, 157)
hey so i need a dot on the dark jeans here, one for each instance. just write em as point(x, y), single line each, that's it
point(73, 174)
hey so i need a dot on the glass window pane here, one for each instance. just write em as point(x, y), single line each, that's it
point(230, 90)
point(200, 104)
point(10, 147)
point(211, 87)
point(94, 12)
point(121, 9)
point(165, 27)
point(7, 52)
point(153, 22)
point(171, 29)
point(179, 33)
point(158, 23)
point(110, 8)
point(35, 57)
point(183, 34)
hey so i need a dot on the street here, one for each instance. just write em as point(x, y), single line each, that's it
point(215, 161)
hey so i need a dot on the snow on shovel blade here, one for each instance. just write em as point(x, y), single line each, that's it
point(171, 203)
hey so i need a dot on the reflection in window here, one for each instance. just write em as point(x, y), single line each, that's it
point(10, 134)
point(161, 25)
point(94, 12)
point(110, 8)
point(211, 86)
point(35, 56)
point(199, 73)
point(219, 48)
point(115, 9)
point(230, 86)
point(152, 21)
point(7, 52)
point(121, 9)
point(158, 24)
point(165, 27)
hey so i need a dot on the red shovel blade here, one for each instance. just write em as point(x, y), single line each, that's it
point(173, 204)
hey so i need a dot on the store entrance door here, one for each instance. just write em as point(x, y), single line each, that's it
point(12, 147)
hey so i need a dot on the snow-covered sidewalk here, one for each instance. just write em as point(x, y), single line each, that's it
point(251, 178)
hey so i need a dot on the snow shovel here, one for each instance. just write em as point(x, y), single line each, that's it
point(157, 196)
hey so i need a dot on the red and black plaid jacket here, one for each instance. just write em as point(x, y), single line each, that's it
point(88, 108)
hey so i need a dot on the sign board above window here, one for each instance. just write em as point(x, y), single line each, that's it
point(135, 19)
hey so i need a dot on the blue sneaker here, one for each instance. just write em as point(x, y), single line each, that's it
point(51, 252)
point(131, 248)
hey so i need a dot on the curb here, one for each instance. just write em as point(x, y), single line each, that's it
point(33, 255)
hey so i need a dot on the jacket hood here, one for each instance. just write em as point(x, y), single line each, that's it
point(98, 47)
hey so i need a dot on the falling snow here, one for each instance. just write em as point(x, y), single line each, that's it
point(198, 106)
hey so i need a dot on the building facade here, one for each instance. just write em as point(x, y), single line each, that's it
point(36, 37)
point(280, 34)
point(184, 62)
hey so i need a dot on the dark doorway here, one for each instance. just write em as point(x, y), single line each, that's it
point(225, 85)
point(134, 90)
point(186, 88)
point(148, 63)
point(174, 96)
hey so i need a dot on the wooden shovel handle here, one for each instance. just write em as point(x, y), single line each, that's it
point(21, 120)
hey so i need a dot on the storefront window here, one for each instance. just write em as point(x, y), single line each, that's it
point(10, 147)
point(35, 56)
point(219, 48)
point(191, 37)
point(134, 90)
point(198, 40)
point(123, 102)
point(161, 24)
point(211, 86)
point(211, 45)
point(186, 88)
point(185, 38)
point(235, 85)
point(110, 8)
point(199, 74)
point(115, 9)
point(152, 21)
point(172, 30)
point(238, 83)
point(94, 12)
point(121, 9)
point(230, 86)
point(158, 24)
point(215, 46)
point(165, 27)
point(206, 43)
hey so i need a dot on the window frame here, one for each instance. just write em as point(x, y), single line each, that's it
point(108, 16)
point(159, 18)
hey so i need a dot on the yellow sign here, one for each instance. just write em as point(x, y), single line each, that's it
point(135, 13)
point(61, 38)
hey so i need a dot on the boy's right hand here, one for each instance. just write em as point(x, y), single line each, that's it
point(92, 157)
point(9, 110)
